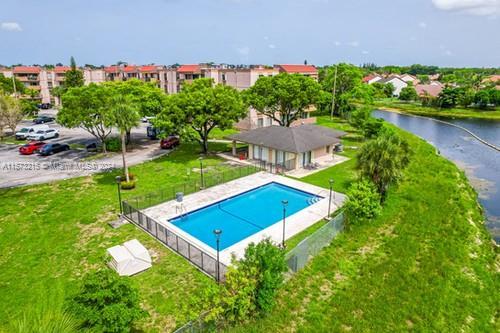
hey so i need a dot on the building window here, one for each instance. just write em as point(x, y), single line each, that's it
point(260, 122)
point(327, 149)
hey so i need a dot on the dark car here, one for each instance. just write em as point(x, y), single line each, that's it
point(43, 119)
point(44, 106)
point(52, 148)
point(170, 142)
point(31, 147)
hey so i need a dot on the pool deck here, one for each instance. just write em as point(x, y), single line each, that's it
point(294, 223)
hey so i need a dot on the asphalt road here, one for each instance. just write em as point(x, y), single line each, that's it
point(18, 170)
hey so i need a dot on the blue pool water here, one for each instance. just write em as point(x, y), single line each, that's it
point(243, 215)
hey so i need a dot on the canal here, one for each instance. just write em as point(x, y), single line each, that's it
point(480, 162)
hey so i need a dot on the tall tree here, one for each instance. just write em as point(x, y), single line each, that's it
point(73, 77)
point(202, 106)
point(283, 97)
point(9, 84)
point(383, 160)
point(87, 107)
point(348, 87)
point(10, 113)
point(125, 116)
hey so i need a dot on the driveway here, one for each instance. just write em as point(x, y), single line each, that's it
point(19, 170)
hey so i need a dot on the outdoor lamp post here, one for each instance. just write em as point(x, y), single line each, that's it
point(201, 172)
point(284, 203)
point(330, 201)
point(118, 182)
point(217, 233)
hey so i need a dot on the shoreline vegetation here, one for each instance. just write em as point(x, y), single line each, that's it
point(416, 109)
point(427, 263)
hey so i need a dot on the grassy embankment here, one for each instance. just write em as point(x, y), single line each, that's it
point(426, 264)
point(417, 109)
point(52, 234)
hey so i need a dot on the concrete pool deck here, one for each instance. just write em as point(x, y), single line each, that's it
point(295, 223)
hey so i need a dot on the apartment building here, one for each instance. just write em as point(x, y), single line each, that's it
point(147, 73)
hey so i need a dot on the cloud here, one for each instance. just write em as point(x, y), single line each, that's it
point(244, 50)
point(365, 52)
point(422, 25)
point(272, 46)
point(354, 43)
point(474, 7)
point(266, 38)
point(11, 26)
point(337, 43)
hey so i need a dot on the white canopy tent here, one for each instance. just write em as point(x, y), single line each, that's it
point(130, 258)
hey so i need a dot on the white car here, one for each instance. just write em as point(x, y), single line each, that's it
point(147, 119)
point(24, 132)
point(43, 134)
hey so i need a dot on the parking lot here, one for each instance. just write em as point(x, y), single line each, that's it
point(17, 169)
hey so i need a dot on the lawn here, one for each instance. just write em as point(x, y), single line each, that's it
point(52, 234)
point(417, 109)
point(427, 264)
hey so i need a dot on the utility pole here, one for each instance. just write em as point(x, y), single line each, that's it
point(14, 84)
point(333, 95)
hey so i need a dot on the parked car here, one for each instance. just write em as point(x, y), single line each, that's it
point(170, 142)
point(43, 119)
point(43, 134)
point(31, 147)
point(153, 132)
point(52, 148)
point(24, 132)
point(44, 106)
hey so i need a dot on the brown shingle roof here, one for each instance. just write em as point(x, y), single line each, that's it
point(298, 139)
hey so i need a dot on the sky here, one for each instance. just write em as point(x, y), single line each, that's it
point(400, 32)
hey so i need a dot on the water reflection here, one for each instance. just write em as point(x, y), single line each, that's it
point(480, 162)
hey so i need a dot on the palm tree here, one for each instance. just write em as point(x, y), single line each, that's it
point(383, 160)
point(125, 115)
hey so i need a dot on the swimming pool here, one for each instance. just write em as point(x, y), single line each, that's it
point(244, 214)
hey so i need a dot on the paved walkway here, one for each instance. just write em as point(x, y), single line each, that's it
point(294, 224)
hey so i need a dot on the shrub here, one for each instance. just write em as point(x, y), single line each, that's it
point(363, 202)
point(131, 176)
point(250, 288)
point(113, 144)
point(107, 302)
point(408, 94)
point(128, 185)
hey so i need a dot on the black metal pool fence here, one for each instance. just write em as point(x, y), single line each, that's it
point(209, 179)
point(298, 257)
point(132, 211)
point(199, 258)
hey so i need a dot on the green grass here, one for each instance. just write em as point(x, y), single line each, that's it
point(12, 140)
point(427, 264)
point(417, 109)
point(52, 234)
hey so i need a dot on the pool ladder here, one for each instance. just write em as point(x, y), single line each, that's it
point(181, 209)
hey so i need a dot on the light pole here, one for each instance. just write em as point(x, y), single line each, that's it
point(330, 201)
point(217, 233)
point(201, 172)
point(284, 203)
point(118, 182)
